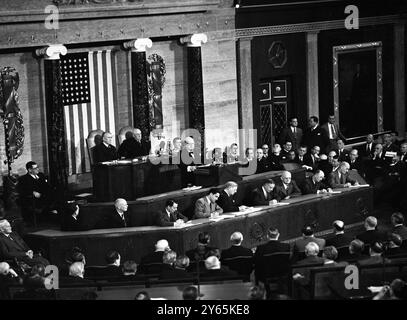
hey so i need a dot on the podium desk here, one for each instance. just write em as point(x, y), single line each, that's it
point(215, 175)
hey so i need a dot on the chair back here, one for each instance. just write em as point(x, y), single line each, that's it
point(242, 264)
point(273, 265)
point(94, 138)
point(121, 136)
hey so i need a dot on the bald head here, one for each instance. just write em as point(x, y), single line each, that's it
point(137, 134)
point(236, 238)
point(5, 226)
point(162, 245)
point(121, 205)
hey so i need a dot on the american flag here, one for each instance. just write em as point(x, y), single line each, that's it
point(88, 86)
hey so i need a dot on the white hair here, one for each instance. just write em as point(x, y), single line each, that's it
point(77, 269)
point(212, 263)
point(311, 249)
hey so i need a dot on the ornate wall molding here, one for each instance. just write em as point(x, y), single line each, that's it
point(52, 52)
point(138, 45)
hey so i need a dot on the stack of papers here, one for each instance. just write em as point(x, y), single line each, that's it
point(280, 204)
point(217, 218)
point(192, 188)
point(361, 185)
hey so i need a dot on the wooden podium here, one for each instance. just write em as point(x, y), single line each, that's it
point(215, 175)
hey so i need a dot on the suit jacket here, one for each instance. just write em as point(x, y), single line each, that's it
point(299, 245)
point(238, 258)
point(71, 224)
point(204, 208)
point(12, 247)
point(102, 153)
point(373, 260)
point(309, 187)
point(392, 148)
point(288, 135)
point(113, 220)
point(262, 165)
point(152, 263)
point(340, 240)
point(167, 221)
point(316, 137)
point(258, 198)
point(404, 155)
point(292, 190)
point(336, 182)
point(364, 152)
point(338, 132)
point(275, 162)
point(27, 185)
point(187, 177)
point(357, 165)
point(131, 148)
point(343, 155)
point(371, 236)
point(273, 246)
point(169, 272)
point(227, 203)
point(311, 161)
point(401, 231)
point(310, 260)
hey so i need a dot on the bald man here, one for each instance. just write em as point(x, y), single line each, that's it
point(133, 146)
point(340, 178)
point(118, 218)
point(286, 188)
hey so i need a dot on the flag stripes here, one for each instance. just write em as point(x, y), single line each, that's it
point(95, 113)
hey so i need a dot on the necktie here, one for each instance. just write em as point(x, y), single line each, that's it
point(333, 131)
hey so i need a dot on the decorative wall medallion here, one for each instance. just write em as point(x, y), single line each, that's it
point(277, 55)
point(257, 231)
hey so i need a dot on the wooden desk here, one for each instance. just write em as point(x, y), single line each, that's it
point(214, 175)
point(349, 206)
point(130, 180)
point(143, 210)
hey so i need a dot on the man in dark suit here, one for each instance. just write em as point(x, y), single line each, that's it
point(133, 146)
point(12, 246)
point(118, 218)
point(366, 151)
point(388, 145)
point(214, 269)
point(376, 165)
point(237, 257)
point(311, 255)
point(315, 135)
point(170, 216)
point(285, 153)
point(340, 178)
point(226, 198)
point(342, 153)
point(397, 221)
point(76, 275)
point(112, 268)
point(312, 159)
point(264, 195)
point(188, 161)
point(354, 162)
point(262, 163)
point(340, 239)
point(152, 263)
point(403, 152)
point(307, 237)
point(72, 220)
point(35, 192)
point(105, 151)
point(314, 184)
point(371, 234)
point(286, 188)
point(178, 270)
point(292, 134)
point(333, 133)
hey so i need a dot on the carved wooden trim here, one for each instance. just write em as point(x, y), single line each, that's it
point(52, 52)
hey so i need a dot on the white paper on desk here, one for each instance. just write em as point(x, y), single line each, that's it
point(374, 289)
point(334, 192)
point(192, 188)
point(228, 215)
point(280, 204)
point(183, 225)
point(360, 185)
point(217, 218)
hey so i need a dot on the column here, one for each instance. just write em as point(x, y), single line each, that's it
point(141, 108)
point(312, 74)
point(57, 156)
point(195, 85)
point(399, 79)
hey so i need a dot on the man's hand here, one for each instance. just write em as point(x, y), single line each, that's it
point(330, 190)
point(356, 183)
point(272, 202)
point(30, 254)
point(323, 191)
point(347, 185)
point(36, 194)
point(287, 197)
point(12, 273)
point(191, 168)
point(242, 208)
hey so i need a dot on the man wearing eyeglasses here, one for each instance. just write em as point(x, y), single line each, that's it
point(36, 193)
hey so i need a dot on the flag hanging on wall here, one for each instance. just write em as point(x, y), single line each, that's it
point(89, 95)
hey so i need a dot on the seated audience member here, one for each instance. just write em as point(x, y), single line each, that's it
point(232, 154)
point(312, 161)
point(291, 156)
point(202, 249)
point(129, 270)
point(187, 162)
point(117, 218)
point(170, 216)
point(35, 193)
point(397, 221)
point(340, 239)
point(330, 164)
point(264, 195)
point(12, 246)
point(287, 146)
point(133, 146)
point(375, 252)
point(265, 149)
point(356, 249)
point(190, 293)
point(262, 163)
point(275, 158)
point(249, 153)
point(152, 263)
point(112, 268)
point(72, 220)
point(376, 165)
point(371, 234)
point(342, 153)
point(169, 258)
point(388, 144)
point(217, 156)
point(314, 184)
point(8, 277)
point(272, 246)
point(301, 157)
point(330, 254)
point(354, 162)
point(307, 237)
point(237, 257)
point(176, 145)
point(34, 289)
point(396, 291)
point(142, 295)
point(366, 150)
point(105, 151)
point(257, 293)
point(403, 152)
point(311, 255)
point(340, 178)
point(76, 274)
point(207, 207)
point(179, 271)
point(226, 198)
point(215, 270)
point(286, 188)
point(393, 245)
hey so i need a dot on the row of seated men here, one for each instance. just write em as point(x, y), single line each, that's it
point(218, 201)
point(274, 258)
